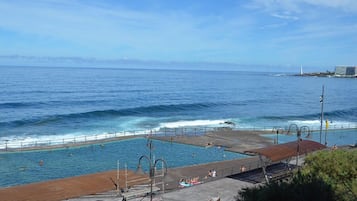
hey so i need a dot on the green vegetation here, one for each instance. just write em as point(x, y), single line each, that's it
point(301, 188)
point(337, 168)
point(326, 175)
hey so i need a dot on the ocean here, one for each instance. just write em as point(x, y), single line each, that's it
point(46, 103)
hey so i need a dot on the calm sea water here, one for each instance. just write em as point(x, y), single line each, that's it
point(45, 103)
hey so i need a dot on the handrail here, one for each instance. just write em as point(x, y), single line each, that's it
point(20, 145)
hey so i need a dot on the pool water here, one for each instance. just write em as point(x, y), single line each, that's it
point(35, 166)
point(333, 137)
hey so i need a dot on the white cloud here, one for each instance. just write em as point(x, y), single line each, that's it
point(271, 6)
point(101, 27)
point(317, 35)
point(274, 25)
point(108, 30)
point(298, 6)
point(315, 18)
point(70, 21)
point(345, 5)
point(113, 31)
point(284, 16)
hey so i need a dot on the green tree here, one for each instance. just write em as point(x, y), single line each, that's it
point(337, 168)
point(326, 175)
point(301, 188)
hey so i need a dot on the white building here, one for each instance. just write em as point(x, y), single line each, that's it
point(346, 71)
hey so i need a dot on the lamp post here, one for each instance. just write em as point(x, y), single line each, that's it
point(6, 141)
point(326, 127)
point(322, 110)
point(298, 135)
point(152, 165)
point(305, 129)
point(277, 134)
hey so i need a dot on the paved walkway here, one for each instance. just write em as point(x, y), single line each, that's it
point(225, 187)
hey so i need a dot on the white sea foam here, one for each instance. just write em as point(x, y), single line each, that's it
point(77, 137)
point(71, 138)
point(193, 123)
point(342, 124)
point(315, 124)
point(305, 122)
point(279, 75)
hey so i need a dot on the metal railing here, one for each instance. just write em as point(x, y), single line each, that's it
point(220, 173)
point(19, 145)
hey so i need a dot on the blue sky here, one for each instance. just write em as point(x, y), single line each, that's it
point(287, 33)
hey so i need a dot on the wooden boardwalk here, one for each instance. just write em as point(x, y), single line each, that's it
point(62, 189)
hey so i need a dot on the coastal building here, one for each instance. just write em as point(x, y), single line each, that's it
point(346, 71)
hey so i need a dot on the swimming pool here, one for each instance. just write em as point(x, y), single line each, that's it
point(333, 137)
point(35, 166)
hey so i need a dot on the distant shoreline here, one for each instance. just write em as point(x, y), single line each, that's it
point(324, 74)
point(317, 74)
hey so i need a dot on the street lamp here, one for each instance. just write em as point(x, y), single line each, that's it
point(300, 131)
point(278, 130)
point(152, 165)
point(6, 141)
point(298, 135)
point(322, 110)
point(305, 129)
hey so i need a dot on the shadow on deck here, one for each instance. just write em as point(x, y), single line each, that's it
point(276, 172)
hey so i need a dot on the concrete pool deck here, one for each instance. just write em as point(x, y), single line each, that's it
point(220, 186)
point(62, 189)
point(231, 140)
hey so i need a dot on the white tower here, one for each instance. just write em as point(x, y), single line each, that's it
point(301, 70)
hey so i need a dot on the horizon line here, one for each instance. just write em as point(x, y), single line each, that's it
point(73, 61)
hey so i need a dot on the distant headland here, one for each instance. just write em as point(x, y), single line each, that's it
point(340, 71)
